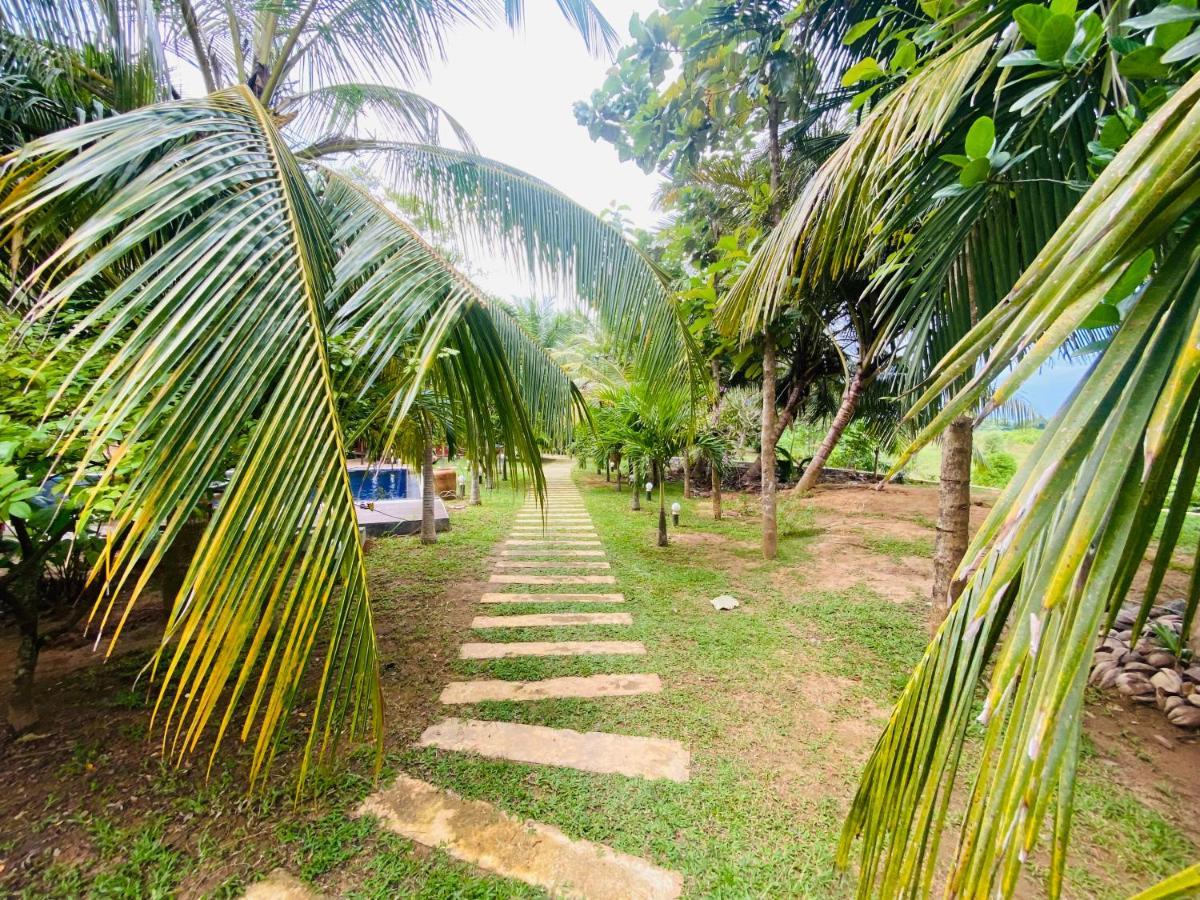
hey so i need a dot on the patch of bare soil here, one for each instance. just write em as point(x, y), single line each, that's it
point(838, 728)
point(858, 525)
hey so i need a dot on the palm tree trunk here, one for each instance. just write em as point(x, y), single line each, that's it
point(662, 509)
point(637, 488)
point(474, 484)
point(770, 526)
point(608, 469)
point(954, 513)
point(618, 467)
point(21, 714)
point(428, 525)
point(716, 418)
point(844, 414)
point(687, 473)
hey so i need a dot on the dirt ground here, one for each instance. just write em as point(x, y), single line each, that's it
point(1155, 760)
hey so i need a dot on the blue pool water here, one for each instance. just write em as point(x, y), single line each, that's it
point(389, 483)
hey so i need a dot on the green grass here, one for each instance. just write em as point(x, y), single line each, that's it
point(778, 702)
point(764, 697)
point(899, 548)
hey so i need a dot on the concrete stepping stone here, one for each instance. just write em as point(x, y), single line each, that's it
point(549, 551)
point(539, 542)
point(552, 598)
point(548, 620)
point(552, 579)
point(513, 649)
point(551, 688)
point(573, 531)
point(550, 564)
point(591, 751)
point(482, 835)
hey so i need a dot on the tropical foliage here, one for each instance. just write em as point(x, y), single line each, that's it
point(204, 259)
point(1029, 168)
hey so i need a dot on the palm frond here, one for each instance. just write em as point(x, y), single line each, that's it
point(1057, 556)
point(216, 337)
point(825, 233)
point(584, 16)
point(338, 110)
point(563, 247)
point(397, 297)
point(126, 31)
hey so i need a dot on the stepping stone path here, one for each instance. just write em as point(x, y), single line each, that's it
point(481, 833)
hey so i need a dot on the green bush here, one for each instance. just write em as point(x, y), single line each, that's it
point(994, 469)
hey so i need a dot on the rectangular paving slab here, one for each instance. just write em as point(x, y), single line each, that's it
point(552, 579)
point(549, 551)
point(550, 564)
point(550, 648)
point(541, 542)
point(545, 620)
point(591, 751)
point(551, 688)
point(552, 598)
point(482, 835)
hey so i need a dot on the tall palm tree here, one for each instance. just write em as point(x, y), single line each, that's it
point(203, 246)
point(952, 220)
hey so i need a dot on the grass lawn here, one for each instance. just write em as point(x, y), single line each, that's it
point(779, 702)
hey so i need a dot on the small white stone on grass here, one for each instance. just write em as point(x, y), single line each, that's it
point(725, 602)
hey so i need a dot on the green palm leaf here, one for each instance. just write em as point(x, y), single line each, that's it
point(216, 332)
point(1057, 556)
point(331, 114)
point(564, 247)
point(825, 234)
point(398, 297)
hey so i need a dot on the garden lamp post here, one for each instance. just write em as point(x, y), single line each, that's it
point(675, 510)
point(649, 490)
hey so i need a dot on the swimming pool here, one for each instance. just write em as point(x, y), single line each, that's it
point(380, 483)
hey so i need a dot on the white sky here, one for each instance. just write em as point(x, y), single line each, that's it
point(514, 92)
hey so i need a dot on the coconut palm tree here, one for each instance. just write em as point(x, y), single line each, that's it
point(204, 246)
point(950, 203)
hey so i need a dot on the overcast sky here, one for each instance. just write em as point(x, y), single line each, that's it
point(514, 94)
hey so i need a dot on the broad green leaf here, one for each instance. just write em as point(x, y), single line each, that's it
point(1103, 316)
point(904, 58)
point(1089, 33)
point(1113, 132)
point(863, 70)
point(1063, 7)
point(981, 138)
point(1132, 278)
point(1143, 63)
point(975, 171)
point(1030, 18)
point(1054, 40)
point(859, 30)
